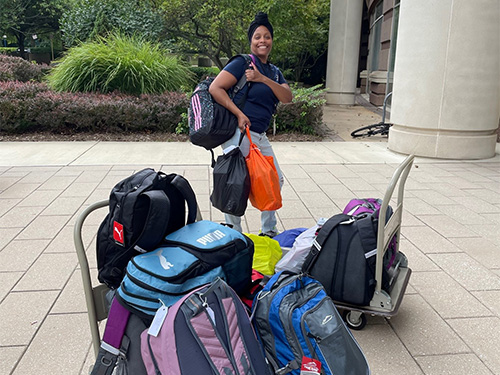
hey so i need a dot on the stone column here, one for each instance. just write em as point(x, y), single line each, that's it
point(446, 93)
point(343, 50)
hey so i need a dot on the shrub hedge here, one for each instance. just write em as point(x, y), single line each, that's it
point(32, 106)
point(28, 107)
point(14, 68)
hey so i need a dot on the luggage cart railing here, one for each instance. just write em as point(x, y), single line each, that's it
point(94, 296)
point(386, 231)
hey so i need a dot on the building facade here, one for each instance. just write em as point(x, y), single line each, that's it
point(440, 60)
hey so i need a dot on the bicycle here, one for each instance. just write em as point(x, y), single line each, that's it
point(381, 128)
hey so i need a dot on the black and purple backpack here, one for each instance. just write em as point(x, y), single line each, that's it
point(371, 206)
point(206, 332)
point(211, 124)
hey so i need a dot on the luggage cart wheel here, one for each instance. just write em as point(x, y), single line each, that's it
point(354, 319)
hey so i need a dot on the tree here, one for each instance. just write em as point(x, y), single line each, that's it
point(215, 28)
point(218, 28)
point(23, 18)
point(301, 32)
point(87, 19)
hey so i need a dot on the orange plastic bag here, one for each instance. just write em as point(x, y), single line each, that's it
point(265, 192)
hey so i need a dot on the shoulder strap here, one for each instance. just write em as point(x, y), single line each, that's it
point(320, 240)
point(156, 220)
point(189, 196)
point(114, 342)
point(158, 214)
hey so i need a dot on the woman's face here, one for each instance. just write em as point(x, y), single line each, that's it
point(261, 43)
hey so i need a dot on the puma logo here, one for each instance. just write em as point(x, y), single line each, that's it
point(120, 233)
point(163, 260)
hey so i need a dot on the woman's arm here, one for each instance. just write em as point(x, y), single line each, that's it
point(218, 89)
point(282, 91)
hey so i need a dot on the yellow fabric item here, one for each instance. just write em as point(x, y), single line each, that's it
point(266, 254)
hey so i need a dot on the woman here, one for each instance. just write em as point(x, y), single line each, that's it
point(266, 87)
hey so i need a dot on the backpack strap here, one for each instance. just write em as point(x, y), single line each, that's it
point(320, 240)
point(156, 221)
point(114, 342)
point(189, 196)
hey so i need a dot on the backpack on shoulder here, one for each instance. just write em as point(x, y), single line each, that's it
point(206, 332)
point(192, 256)
point(211, 124)
point(299, 327)
point(143, 208)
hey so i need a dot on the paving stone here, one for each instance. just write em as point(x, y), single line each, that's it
point(324, 178)
point(21, 314)
point(463, 215)
point(491, 299)
point(38, 176)
point(19, 255)
point(417, 206)
point(428, 241)
point(417, 260)
point(72, 298)
point(481, 249)
point(40, 198)
point(315, 199)
point(454, 364)
point(477, 205)
point(57, 183)
point(446, 296)
point(44, 227)
point(91, 175)
point(46, 353)
point(19, 191)
point(79, 189)
point(55, 270)
point(7, 281)
point(294, 209)
point(384, 351)
point(338, 192)
point(476, 332)
point(7, 204)
point(467, 271)
point(423, 331)
point(9, 357)
point(446, 226)
point(7, 235)
point(304, 185)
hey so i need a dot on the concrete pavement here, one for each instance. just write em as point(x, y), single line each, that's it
point(449, 319)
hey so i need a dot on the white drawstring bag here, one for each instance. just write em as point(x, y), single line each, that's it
point(293, 259)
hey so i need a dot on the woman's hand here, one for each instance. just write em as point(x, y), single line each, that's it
point(253, 74)
point(243, 122)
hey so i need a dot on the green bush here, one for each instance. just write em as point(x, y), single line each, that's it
point(305, 113)
point(126, 64)
point(17, 69)
point(34, 107)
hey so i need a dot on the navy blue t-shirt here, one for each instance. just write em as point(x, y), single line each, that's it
point(261, 101)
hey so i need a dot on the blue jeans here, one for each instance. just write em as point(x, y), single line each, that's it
point(267, 218)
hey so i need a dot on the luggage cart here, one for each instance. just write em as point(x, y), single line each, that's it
point(95, 297)
point(384, 303)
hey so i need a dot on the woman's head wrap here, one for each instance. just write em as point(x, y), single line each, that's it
point(259, 20)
